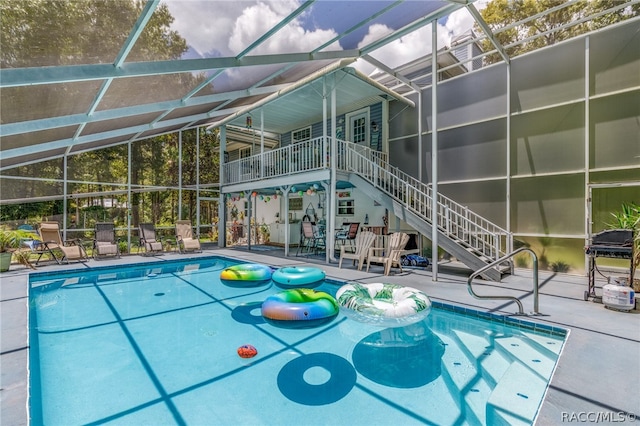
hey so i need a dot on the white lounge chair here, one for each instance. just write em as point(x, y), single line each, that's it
point(362, 243)
point(390, 256)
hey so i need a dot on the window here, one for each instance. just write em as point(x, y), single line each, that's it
point(301, 135)
point(245, 152)
point(346, 208)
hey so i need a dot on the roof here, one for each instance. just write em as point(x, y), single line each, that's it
point(132, 71)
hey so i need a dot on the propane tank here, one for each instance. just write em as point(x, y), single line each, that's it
point(618, 295)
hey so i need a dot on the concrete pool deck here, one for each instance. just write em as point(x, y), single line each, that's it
point(597, 378)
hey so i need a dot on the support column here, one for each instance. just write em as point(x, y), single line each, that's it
point(434, 150)
point(587, 189)
point(180, 175)
point(129, 196)
point(65, 191)
point(198, 180)
point(285, 192)
point(509, 241)
point(331, 211)
point(222, 204)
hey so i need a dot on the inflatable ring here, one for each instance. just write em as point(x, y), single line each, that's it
point(300, 308)
point(246, 275)
point(298, 276)
point(388, 305)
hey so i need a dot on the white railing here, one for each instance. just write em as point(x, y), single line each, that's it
point(455, 220)
point(296, 158)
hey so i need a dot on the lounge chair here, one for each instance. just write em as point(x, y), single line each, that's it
point(343, 237)
point(148, 239)
point(310, 239)
point(105, 242)
point(52, 240)
point(363, 242)
point(185, 238)
point(390, 255)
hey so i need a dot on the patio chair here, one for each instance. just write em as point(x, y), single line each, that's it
point(390, 255)
point(148, 239)
point(363, 242)
point(347, 235)
point(185, 239)
point(35, 245)
point(52, 240)
point(105, 242)
point(310, 239)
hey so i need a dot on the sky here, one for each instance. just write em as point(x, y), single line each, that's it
point(221, 28)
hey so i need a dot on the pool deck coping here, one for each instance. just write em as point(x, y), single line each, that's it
point(597, 376)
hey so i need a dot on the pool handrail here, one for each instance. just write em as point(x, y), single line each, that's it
point(515, 299)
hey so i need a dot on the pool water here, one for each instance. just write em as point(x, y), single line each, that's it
point(157, 345)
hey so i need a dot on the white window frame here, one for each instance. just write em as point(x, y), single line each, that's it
point(298, 131)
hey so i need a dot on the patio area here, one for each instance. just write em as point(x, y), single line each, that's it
point(597, 377)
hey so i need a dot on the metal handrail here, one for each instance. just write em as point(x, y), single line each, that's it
point(499, 261)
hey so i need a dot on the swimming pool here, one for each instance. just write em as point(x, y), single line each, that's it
point(156, 344)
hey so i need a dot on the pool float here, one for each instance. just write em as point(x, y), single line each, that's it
point(388, 305)
point(246, 274)
point(298, 276)
point(300, 308)
point(247, 351)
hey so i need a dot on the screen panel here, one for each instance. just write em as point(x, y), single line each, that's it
point(548, 205)
point(548, 141)
point(542, 78)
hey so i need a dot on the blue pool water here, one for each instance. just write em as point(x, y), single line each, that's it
point(156, 345)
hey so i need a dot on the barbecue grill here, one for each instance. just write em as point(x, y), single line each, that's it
point(612, 243)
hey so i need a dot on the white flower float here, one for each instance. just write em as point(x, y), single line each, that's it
point(386, 305)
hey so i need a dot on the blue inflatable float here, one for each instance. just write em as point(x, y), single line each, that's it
point(246, 275)
point(298, 276)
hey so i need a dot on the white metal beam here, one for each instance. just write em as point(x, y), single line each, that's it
point(14, 77)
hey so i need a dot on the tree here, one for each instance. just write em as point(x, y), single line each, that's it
point(38, 33)
point(546, 29)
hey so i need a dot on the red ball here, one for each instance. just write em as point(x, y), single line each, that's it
point(247, 351)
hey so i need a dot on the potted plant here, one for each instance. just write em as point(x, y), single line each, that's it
point(629, 218)
point(10, 244)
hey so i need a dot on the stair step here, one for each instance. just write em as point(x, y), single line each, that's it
point(518, 349)
point(464, 382)
point(516, 399)
point(492, 364)
point(547, 343)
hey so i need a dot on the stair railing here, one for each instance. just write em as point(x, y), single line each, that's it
point(514, 299)
point(455, 220)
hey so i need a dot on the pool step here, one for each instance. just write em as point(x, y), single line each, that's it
point(464, 382)
point(552, 346)
point(515, 400)
point(528, 353)
point(491, 363)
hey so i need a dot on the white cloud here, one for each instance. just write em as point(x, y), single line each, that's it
point(230, 26)
point(418, 43)
point(403, 50)
point(206, 25)
point(260, 18)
